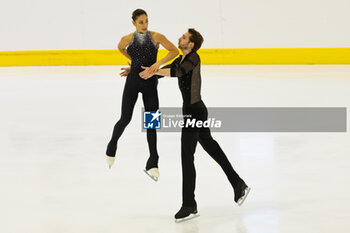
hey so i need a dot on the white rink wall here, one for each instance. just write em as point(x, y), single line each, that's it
point(90, 24)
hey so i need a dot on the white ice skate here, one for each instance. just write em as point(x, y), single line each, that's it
point(153, 173)
point(110, 160)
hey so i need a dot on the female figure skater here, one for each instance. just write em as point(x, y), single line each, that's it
point(141, 47)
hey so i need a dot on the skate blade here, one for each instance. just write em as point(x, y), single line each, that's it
point(110, 161)
point(191, 216)
point(152, 177)
point(242, 199)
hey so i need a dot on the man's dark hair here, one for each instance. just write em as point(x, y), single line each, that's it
point(137, 13)
point(196, 38)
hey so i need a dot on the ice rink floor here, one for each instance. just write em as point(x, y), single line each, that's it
point(55, 123)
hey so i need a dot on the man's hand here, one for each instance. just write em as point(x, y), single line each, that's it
point(146, 74)
point(154, 68)
point(126, 71)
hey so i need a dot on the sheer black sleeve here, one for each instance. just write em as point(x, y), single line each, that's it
point(164, 67)
point(181, 69)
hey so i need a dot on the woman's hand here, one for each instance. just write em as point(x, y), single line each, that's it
point(126, 71)
point(154, 68)
point(149, 71)
point(146, 73)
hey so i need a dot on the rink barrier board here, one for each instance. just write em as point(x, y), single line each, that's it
point(208, 56)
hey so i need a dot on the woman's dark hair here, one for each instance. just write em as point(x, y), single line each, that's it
point(137, 13)
point(196, 38)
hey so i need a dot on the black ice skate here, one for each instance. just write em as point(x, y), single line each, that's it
point(241, 193)
point(186, 213)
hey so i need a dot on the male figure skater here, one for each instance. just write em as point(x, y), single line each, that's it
point(187, 69)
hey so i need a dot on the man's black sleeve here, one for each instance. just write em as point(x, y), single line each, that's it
point(181, 69)
point(164, 67)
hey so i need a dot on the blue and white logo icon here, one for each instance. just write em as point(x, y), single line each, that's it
point(151, 120)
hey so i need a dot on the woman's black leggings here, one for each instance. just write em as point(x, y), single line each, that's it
point(149, 91)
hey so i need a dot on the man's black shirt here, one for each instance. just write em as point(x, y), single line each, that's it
point(189, 77)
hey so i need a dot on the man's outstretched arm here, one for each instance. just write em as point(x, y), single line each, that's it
point(162, 72)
